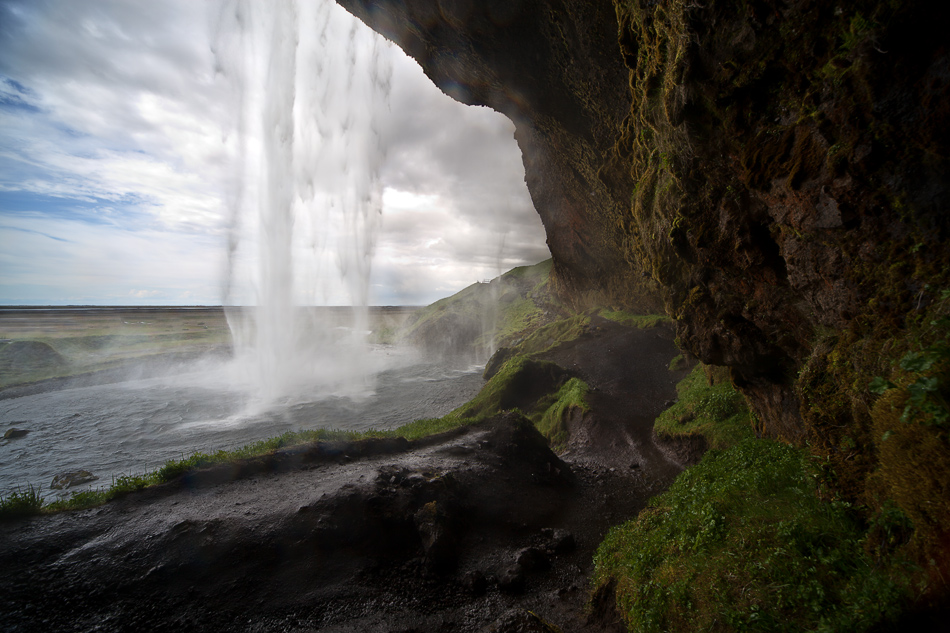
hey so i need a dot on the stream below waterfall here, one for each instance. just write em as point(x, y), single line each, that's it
point(134, 426)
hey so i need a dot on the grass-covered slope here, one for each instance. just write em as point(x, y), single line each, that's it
point(753, 538)
point(717, 412)
point(483, 316)
point(743, 542)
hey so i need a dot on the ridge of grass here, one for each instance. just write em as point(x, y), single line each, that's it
point(29, 502)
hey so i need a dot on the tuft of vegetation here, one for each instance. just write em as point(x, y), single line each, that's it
point(640, 321)
point(555, 411)
point(717, 412)
point(742, 541)
point(678, 363)
point(21, 503)
point(925, 375)
point(520, 383)
point(552, 334)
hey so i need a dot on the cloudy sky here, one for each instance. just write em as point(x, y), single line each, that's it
point(134, 136)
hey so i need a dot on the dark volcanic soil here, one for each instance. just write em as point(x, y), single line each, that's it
point(467, 531)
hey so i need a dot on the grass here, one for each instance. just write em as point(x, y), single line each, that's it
point(542, 391)
point(21, 503)
point(553, 334)
point(103, 340)
point(552, 422)
point(717, 412)
point(641, 321)
point(742, 542)
point(505, 310)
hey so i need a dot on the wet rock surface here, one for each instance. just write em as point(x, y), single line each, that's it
point(452, 532)
point(473, 530)
point(15, 433)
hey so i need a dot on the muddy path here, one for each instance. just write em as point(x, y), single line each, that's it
point(473, 530)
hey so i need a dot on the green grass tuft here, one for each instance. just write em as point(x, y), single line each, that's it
point(717, 412)
point(552, 423)
point(21, 503)
point(31, 502)
point(742, 541)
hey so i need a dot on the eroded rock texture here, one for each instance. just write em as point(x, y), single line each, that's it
point(773, 173)
point(553, 68)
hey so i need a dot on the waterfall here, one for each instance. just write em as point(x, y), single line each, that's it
point(307, 83)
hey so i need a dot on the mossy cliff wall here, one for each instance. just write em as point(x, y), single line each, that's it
point(773, 173)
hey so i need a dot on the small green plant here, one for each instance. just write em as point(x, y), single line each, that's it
point(926, 372)
point(21, 503)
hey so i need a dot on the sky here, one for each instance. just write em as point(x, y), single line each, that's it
point(134, 136)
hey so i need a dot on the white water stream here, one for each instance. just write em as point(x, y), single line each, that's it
point(306, 198)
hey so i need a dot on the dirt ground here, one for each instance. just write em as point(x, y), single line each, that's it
point(479, 529)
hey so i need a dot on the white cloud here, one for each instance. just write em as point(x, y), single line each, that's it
point(117, 153)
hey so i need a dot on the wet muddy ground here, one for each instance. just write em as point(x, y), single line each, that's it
point(483, 528)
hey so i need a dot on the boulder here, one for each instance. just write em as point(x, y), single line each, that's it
point(532, 559)
point(438, 539)
point(512, 580)
point(558, 541)
point(63, 481)
point(15, 433)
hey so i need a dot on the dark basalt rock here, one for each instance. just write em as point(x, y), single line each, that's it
point(512, 580)
point(532, 559)
point(476, 582)
point(438, 536)
point(558, 541)
point(521, 621)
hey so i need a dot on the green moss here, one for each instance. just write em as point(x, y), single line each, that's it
point(717, 412)
point(521, 315)
point(520, 383)
point(914, 471)
point(640, 321)
point(551, 335)
point(571, 399)
point(742, 542)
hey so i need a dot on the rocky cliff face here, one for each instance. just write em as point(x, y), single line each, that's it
point(774, 174)
point(554, 69)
